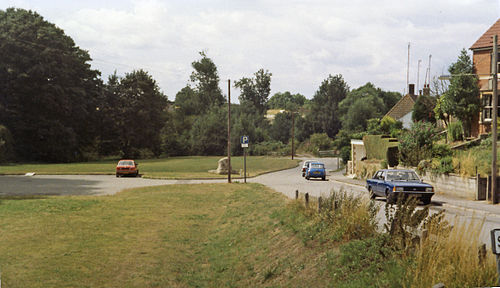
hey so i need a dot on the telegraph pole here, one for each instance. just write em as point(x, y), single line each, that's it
point(293, 132)
point(494, 122)
point(229, 170)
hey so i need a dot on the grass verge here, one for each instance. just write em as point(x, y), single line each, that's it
point(169, 168)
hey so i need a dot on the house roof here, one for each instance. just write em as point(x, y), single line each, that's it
point(486, 41)
point(403, 107)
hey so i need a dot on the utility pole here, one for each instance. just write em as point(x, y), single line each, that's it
point(418, 76)
point(494, 122)
point(293, 132)
point(408, 70)
point(229, 169)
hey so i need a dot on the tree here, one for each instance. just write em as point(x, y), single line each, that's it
point(359, 106)
point(281, 128)
point(324, 116)
point(48, 90)
point(423, 110)
point(255, 91)
point(142, 114)
point(462, 98)
point(206, 80)
point(208, 135)
point(286, 101)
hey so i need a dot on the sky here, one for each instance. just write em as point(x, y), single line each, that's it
point(300, 42)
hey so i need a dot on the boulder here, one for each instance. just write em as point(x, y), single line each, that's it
point(223, 167)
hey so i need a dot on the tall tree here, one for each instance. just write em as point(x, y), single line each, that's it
point(48, 90)
point(256, 90)
point(423, 110)
point(364, 103)
point(324, 115)
point(143, 114)
point(206, 80)
point(461, 100)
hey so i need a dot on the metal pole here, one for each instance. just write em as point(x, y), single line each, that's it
point(245, 164)
point(494, 122)
point(418, 77)
point(498, 269)
point(229, 131)
point(293, 132)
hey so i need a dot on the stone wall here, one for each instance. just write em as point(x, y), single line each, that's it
point(453, 185)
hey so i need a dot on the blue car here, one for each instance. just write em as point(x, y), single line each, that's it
point(392, 183)
point(316, 170)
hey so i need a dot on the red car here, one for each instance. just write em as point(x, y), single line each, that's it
point(127, 167)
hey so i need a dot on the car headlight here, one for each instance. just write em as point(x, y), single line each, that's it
point(398, 189)
point(429, 189)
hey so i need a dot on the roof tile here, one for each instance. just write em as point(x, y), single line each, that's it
point(485, 41)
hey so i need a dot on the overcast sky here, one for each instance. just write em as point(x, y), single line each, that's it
point(300, 42)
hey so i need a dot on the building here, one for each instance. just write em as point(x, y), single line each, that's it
point(403, 109)
point(481, 57)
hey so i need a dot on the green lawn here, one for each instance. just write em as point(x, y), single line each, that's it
point(175, 167)
point(218, 235)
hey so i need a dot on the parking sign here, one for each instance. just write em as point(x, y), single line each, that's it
point(244, 141)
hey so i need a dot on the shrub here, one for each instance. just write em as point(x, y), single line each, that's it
point(441, 150)
point(416, 144)
point(320, 141)
point(392, 156)
point(268, 148)
point(455, 131)
point(345, 154)
point(445, 165)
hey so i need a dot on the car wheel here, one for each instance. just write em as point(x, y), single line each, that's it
point(372, 195)
point(389, 199)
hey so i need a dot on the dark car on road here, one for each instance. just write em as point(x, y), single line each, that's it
point(316, 170)
point(393, 183)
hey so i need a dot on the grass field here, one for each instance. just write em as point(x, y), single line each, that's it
point(221, 235)
point(170, 168)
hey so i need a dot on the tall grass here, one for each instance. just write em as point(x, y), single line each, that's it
point(451, 257)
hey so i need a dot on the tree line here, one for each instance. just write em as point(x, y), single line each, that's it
point(55, 108)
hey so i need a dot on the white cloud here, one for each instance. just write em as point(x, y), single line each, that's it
point(300, 42)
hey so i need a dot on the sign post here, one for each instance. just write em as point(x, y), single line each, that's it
point(495, 248)
point(244, 144)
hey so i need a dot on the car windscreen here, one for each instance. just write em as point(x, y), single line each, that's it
point(125, 163)
point(318, 166)
point(402, 176)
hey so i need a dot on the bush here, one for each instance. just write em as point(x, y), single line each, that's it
point(416, 144)
point(268, 148)
point(445, 165)
point(345, 154)
point(392, 156)
point(441, 150)
point(455, 131)
point(320, 141)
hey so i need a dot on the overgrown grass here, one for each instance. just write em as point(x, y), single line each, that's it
point(396, 257)
point(175, 167)
point(452, 257)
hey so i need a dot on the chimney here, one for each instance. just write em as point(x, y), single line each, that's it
point(411, 89)
point(427, 90)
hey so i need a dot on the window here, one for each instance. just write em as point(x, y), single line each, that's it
point(487, 114)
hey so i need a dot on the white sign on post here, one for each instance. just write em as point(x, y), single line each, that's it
point(495, 241)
